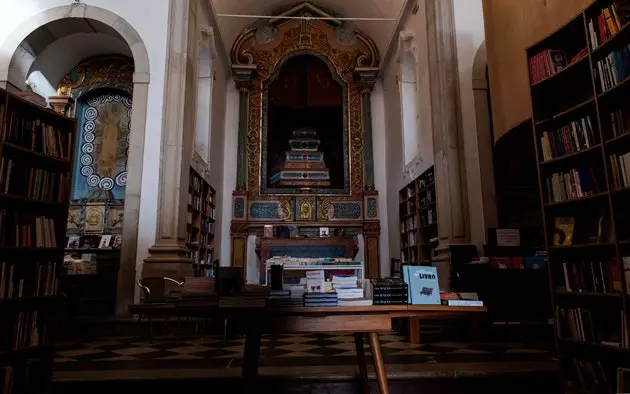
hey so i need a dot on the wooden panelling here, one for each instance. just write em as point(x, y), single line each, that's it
point(512, 26)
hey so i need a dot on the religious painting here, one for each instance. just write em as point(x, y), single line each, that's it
point(103, 145)
point(305, 135)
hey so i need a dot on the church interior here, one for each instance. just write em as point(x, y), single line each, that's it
point(323, 196)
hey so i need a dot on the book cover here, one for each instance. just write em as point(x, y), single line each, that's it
point(563, 231)
point(423, 285)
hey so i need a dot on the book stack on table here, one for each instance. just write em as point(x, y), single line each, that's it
point(320, 299)
point(252, 297)
point(283, 298)
point(390, 292)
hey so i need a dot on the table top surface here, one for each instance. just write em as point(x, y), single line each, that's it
point(367, 309)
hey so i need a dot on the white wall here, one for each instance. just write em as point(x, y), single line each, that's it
point(150, 19)
point(470, 35)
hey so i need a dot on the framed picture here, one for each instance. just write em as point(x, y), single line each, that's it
point(94, 218)
point(73, 225)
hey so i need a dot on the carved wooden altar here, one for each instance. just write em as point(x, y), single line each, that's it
point(257, 55)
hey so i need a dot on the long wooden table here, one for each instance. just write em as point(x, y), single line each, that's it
point(356, 320)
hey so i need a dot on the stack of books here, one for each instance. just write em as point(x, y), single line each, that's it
point(320, 299)
point(390, 292)
point(348, 292)
point(283, 298)
point(252, 297)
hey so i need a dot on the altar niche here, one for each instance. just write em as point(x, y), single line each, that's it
point(305, 137)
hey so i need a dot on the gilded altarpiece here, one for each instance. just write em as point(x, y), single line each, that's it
point(257, 56)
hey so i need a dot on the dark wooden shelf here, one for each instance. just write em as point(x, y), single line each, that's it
point(614, 88)
point(593, 345)
point(609, 43)
point(29, 249)
point(581, 246)
point(576, 200)
point(619, 137)
point(566, 111)
point(570, 155)
point(588, 294)
point(36, 154)
point(29, 200)
point(561, 72)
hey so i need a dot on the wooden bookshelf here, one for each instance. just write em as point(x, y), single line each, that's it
point(36, 151)
point(581, 116)
point(417, 219)
point(200, 222)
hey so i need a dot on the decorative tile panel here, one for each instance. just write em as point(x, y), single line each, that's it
point(346, 210)
point(264, 210)
point(371, 208)
point(239, 208)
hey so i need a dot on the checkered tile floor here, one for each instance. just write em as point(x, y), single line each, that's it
point(277, 351)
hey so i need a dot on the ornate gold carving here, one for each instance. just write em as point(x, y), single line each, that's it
point(324, 209)
point(113, 71)
point(285, 209)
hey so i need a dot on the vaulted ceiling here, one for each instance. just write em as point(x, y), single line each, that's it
point(380, 31)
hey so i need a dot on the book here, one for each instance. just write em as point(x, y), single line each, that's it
point(423, 285)
point(563, 231)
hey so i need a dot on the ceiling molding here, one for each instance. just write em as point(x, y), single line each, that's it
point(208, 9)
point(405, 12)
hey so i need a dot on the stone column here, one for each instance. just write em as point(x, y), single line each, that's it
point(238, 230)
point(169, 255)
point(447, 139)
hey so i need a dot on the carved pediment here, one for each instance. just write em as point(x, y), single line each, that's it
point(265, 42)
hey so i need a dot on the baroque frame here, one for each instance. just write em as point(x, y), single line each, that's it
point(265, 125)
point(265, 47)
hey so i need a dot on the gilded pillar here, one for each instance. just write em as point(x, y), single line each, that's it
point(238, 230)
point(447, 138)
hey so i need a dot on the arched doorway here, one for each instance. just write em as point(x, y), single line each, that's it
point(115, 36)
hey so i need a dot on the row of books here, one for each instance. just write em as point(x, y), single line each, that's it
point(619, 121)
point(577, 183)
point(587, 376)
point(546, 63)
point(571, 138)
point(27, 377)
point(409, 256)
point(408, 240)
point(409, 224)
point(207, 225)
point(407, 208)
point(208, 210)
point(28, 280)
point(620, 170)
point(196, 183)
point(32, 183)
point(591, 276)
point(195, 202)
point(26, 230)
point(21, 329)
point(608, 22)
point(592, 326)
point(37, 136)
point(614, 68)
point(428, 217)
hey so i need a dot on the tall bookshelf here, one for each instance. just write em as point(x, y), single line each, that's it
point(580, 85)
point(36, 147)
point(418, 219)
point(201, 222)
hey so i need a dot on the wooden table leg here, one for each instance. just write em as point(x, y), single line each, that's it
point(414, 330)
point(358, 343)
point(379, 365)
point(250, 362)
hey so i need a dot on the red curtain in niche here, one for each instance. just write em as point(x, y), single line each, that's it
point(305, 82)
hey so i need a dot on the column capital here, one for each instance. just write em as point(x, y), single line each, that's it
point(60, 104)
point(365, 78)
point(243, 75)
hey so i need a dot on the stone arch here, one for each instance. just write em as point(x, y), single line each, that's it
point(141, 78)
point(485, 141)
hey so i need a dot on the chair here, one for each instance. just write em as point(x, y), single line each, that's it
point(155, 291)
